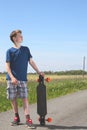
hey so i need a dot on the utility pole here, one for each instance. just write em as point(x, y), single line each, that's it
point(83, 66)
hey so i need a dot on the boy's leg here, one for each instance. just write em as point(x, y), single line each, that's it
point(26, 106)
point(12, 95)
point(14, 105)
point(15, 109)
point(27, 115)
point(23, 94)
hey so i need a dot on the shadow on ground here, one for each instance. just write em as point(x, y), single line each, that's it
point(54, 127)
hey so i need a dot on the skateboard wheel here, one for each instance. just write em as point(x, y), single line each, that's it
point(48, 79)
point(49, 119)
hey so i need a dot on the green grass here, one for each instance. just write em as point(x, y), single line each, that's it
point(55, 88)
point(4, 103)
point(62, 87)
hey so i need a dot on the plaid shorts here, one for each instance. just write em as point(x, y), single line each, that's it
point(14, 91)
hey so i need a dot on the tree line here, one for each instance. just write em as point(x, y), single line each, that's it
point(67, 72)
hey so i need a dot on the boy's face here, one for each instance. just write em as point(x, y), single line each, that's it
point(18, 38)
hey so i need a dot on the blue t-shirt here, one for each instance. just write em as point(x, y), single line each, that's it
point(18, 59)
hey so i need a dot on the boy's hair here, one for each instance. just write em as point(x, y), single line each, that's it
point(14, 34)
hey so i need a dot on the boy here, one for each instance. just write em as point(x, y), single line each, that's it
point(17, 59)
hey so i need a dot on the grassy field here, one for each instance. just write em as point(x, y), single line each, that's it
point(58, 86)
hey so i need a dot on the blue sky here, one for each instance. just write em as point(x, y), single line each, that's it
point(54, 30)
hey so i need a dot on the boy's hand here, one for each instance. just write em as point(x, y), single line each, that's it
point(14, 81)
point(41, 73)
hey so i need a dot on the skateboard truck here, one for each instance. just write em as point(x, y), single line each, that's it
point(42, 120)
point(41, 79)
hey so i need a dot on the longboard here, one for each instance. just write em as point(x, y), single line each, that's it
point(41, 100)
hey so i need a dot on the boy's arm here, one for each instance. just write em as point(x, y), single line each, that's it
point(13, 79)
point(32, 63)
